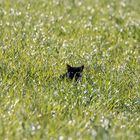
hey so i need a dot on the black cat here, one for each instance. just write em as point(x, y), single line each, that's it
point(73, 73)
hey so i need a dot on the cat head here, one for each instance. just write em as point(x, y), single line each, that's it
point(74, 72)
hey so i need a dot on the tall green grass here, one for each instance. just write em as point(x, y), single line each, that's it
point(38, 39)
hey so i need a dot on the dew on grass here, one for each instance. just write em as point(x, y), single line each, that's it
point(53, 113)
point(55, 93)
point(94, 44)
point(33, 129)
point(72, 122)
point(65, 44)
point(123, 4)
point(70, 21)
point(38, 127)
point(93, 132)
point(96, 29)
point(78, 134)
point(85, 91)
point(122, 126)
point(18, 13)
point(88, 25)
point(16, 102)
point(87, 125)
point(7, 23)
point(105, 122)
point(63, 29)
point(70, 138)
point(12, 11)
point(60, 18)
point(61, 138)
point(79, 3)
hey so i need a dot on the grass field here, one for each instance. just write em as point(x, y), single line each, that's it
point(38, 38)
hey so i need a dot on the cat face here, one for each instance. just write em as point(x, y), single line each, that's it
point(74, 72)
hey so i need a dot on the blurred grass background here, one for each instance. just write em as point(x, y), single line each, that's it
point(38, 39)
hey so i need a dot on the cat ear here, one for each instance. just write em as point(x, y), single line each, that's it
point(82, 67)
point(68, 66)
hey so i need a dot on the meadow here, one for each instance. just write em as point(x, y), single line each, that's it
point(38, 38)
